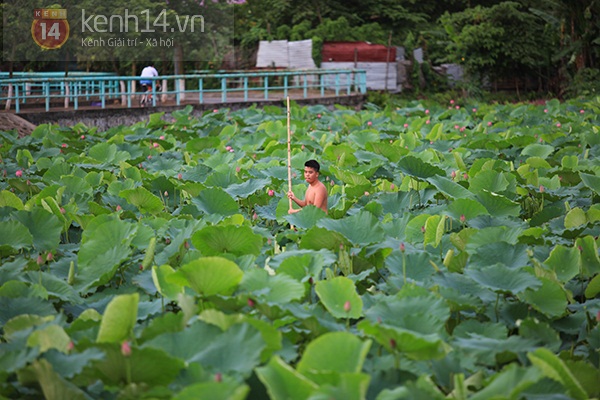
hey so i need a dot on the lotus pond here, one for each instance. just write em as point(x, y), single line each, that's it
point(459, 258)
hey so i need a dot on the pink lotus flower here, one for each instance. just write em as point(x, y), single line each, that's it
point(545, 110)
point(82, 137)
point(542, 189)
point(466, 176)
point(40, 260)
point(392, 186)
point(558, 125)
point(462, 129)
point(369, 123)
point(423, 229)
point(366, 193)
point(231, 150)
point(463, 218)
point(227, 148)
point(431, 142)
point(126, 348)
point(427, 122)
point(237, 169)
point(474, 110)
point(155, 145)
point(19, 173)
point(70, 346)
point(254, 216)
point(453, 174)
point(49, 256)
point(489, 123)
point(166, 194)
point(271, 192)
point(456, 127)
point(426, 111)
point(318, 115)
point(118, 208)
point(179, 176)
point(62, 210)
point(302, 147)
point(161, 137)
point(347, 306)
point(402, 247)
point(581, 111)
point(149, 157)
point(406, 125)
point(215, 110)
point(64, 145)
point(250, 302)
point(451, 101)
point(218, 377)
point(457, 107)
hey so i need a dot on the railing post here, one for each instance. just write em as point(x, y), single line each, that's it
point(75, 95)
point(322, 84)
point(305, 86)
point(200, 91)
point(17, 108)
point(245, 88)
point(103, 93)
point(266, 87)
point(46, 91)
point(223, 89)
point(337, 84)
point(285, 86)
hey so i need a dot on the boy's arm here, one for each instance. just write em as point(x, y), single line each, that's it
point(321, 197)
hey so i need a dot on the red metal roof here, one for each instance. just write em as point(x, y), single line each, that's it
point(357, 51)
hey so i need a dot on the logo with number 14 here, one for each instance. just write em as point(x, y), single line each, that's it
point(50, 29)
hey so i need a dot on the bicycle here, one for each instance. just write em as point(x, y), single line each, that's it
point(146, 98)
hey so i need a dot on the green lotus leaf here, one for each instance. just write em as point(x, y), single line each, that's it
point(149, 366)
point(55, 287)
point(160, 277)
point(320, 238)
point(550, 299)
point(209, 276)
point(435, 227)
point(575, 218)
point(49, 337)
point(218, 351)
point(69, 365)
point(14, 236)
point(485, 349)
point(564, 261)
point(537, 150)
point(414, 345)
point(9, 199)
point(538, 162)
point(238, 240)
point(22, 322)
point(492, 181)
point(450, 188)
point(370, 229)
point(591, 181)
point(498, 205)
point(104, 246)
point(417, 168)
point(119, 319)
point(107, 153)
point(512, 256)
point(349, 177)
point(264, 288)
point(197, 145)
point(245, 189)
point(556, 369)
point(306, 218)
point(392, 153)
point(509, 383)
point(284, 382)
point(593, 288)
point(468, 208)
point(501, 278)
point(145, 201)
point(333, 352)
point(43, 226)
point(348, 386)
point(415, 229)
point(302, 267)
point(493, 234)
point(342, 155)
point(226, 390)
point(216, 201)
point(52, 384)
point(340, 298)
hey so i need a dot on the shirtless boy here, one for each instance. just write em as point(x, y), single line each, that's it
point(316, 194)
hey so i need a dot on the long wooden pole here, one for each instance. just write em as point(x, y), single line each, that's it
point(289, 149)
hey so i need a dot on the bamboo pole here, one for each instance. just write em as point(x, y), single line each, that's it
point(289, 150)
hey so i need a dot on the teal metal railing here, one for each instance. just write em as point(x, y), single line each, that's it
point(55, 93)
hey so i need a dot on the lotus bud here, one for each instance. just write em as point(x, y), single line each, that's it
point(581, 111)
point(558, 125)
point(161, 137)
point(155, 145)
point(542, 189)
point(426, 111)
point(70, 346)
point(463, 218)
point(218, 377)
point(423, 229)
point(64, 145)
point(82, 137)
point(179, 176)
point(237, 169)
point(406, 125)
point(402, 247)
point(186, 244)
point(453, 174)
point(466, 176)
point(369, 123)
point(118, 208)
point(489, 123)
point(251, 302)
point(49, 256)
point(271, 192)
point(19, 173)
point(126, 348)
point(62, 210)
point(40, 260)
point(393, 343)
point(347, 306)
point(427, 122)
point(168, 240)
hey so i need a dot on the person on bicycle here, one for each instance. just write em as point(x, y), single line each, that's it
point(146, 84)
point(147, 72)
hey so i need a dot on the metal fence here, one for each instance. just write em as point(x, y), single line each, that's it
point(54, 93)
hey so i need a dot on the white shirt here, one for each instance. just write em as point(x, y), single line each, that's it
point(149, 72)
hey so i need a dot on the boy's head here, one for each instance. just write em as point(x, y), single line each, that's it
point(311, 171)
point(313, 164)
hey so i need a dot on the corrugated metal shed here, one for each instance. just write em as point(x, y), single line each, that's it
point(284, 54)
point(381, 75)
point(357, 51)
